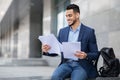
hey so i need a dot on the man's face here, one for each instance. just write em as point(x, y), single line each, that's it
point(71, 17)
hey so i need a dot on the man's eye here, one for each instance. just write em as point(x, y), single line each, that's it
point(70, 15)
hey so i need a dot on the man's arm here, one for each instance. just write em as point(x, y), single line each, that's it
point(45, 49)
point(93, 53)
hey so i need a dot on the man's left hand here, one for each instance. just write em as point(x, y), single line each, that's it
point(81, 54)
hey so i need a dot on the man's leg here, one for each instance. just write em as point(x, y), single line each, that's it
point(61, 72)
point(78, 74)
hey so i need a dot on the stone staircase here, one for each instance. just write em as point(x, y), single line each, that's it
point(48, 78)
point(36, 62)
point(24, 62)
point(27, 78)
point(26, 69)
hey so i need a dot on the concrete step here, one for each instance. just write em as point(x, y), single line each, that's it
point(52, 61)
point(44, 61)
point(48, 78)
point(108, 78)
point(23, 62)
point(26, 72)
point(27, 78)
point(104, 78)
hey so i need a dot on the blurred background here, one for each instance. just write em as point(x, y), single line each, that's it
point(22, 21)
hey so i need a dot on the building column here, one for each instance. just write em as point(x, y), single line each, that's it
point(36, 13)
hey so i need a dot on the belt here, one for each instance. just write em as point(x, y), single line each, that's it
point(70, 60)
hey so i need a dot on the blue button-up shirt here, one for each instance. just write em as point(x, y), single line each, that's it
point(73, 34)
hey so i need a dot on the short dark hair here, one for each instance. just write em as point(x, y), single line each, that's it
point(74, 7)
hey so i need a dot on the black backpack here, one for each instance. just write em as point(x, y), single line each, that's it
point(111, 65)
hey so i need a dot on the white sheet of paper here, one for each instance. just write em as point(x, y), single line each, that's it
point(70, 48)
point(52, 41)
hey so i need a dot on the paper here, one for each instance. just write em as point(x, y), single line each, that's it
point(51, 41)
point(70, 48)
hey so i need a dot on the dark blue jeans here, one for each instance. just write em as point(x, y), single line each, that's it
point(69, 68)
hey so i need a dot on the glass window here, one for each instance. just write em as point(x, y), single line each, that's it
point(61, 20)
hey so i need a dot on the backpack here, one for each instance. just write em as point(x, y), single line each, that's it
point(111, 65)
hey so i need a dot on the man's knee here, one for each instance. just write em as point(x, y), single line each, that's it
point(55, 77)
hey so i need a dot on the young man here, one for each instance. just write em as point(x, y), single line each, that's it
point(82, 68)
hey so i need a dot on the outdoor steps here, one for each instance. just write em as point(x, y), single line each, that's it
point(37, 62)
point(104, 78)
point(27, 78)
point(44, 61)
point(48, 78)
point(23, 62)
point(107, 78)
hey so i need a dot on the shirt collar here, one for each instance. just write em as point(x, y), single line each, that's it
point(78, 28)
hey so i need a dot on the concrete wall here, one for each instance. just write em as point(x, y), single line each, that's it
point(25, 19)
point(23, 37)
point(20, 28)
point(49, 17)
point(36, 16)
point(104, 17)
point(46, 17)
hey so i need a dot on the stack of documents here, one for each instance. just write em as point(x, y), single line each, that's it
point(68, 48)
point(51, 41)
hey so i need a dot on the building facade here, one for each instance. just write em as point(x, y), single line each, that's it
point(25, 20)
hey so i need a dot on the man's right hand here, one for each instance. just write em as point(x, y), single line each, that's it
point(45, 48)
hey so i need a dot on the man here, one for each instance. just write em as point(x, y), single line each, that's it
point(84, 67)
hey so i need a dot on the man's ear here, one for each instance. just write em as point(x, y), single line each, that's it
point(77, 15)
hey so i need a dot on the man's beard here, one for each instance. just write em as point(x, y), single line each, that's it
point(73, 23)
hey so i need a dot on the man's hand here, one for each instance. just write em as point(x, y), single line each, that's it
point(45, 48)
point(81, 54)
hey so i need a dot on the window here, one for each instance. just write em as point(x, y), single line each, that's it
point(61, 20)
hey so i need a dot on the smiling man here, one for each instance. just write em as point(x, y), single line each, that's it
point(83, 68)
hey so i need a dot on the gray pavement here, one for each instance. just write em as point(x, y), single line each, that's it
point(25, 69)
point(32, 69)
point(10, 72)
point(26, 78)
